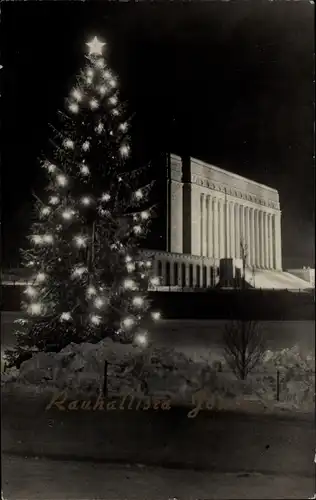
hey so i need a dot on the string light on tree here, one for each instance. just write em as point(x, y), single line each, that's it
point(100, 63)
point(53, 200)
point(137, 229)
point(138, 301)
point(100, 128)
point(85, 200)
point(45, 211)
point(139, 194)
point(144, 215)
point(86, 145)
point(95, 319)
point(113, 100)
point(91, 291)
point(61, 180)
point(65, 316)
point(94, 104)
point(129, 284)
point(130, 266)
point(50, 167)
point(76, 94)
point(73, 107)
point(156, 315)
point(30, 291)
point(80, 241)
point(40, 277)
point(48, 238)
point(102, 89)
point(98, 303)
point(79, 271)
point(105, 197)
point(128, 322)
point(37, 239)
point(84, 170)
point(35, 308)
point(67, 214)
point(123, 127)
point(69, 144)
point(124, 150)
point(141, 339)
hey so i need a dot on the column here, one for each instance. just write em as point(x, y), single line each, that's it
point(201, 223)
point(237, 231)
point(266, 240)
point(210, 227)
point(227, 229)
point(232, 229)
point(252, 238)
point(247, 215)
point(223, 228)
point(205, 226)
point(261, 238)
point(271, 265)
point(220, 229)
point(195, 220)
point(257, 238)
point(215, 227)
point(242, 229)
point(278, 243)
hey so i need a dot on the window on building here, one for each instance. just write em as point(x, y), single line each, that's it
point(168, 280)
point(204, 276)
point(198, 275)
point(159, 272)
point(183, 274)
point(176, 273)
point(191, 275)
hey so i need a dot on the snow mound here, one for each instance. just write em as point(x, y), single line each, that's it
point(164, 372)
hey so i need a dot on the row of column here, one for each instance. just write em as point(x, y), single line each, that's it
point(229, 229)
point(184, 274)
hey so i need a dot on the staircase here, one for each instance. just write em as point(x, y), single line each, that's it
point(279, 280)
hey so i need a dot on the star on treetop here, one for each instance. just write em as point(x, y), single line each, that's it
point(95, 47)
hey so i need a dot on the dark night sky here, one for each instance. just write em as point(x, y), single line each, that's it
point(230, 83)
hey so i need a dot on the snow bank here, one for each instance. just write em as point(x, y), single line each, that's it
point(163, 372)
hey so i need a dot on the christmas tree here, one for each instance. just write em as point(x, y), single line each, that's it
point(89, 278)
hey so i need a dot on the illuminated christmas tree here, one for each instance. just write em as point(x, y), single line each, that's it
point(89, 279)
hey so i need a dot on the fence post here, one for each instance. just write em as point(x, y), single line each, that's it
point(278, 386)
point(105, 380)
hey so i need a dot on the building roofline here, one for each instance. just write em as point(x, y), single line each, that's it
point(231, 174)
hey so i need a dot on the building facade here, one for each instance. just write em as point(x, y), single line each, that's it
point(215, 214)
point(209, 214)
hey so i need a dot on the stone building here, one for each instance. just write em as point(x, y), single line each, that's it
point(211, 214)
point(213, 211)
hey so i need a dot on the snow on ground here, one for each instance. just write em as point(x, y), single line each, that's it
point(36, 479)
point(162, 372)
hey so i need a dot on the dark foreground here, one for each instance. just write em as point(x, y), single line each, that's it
point(213, 441)
point(38, 479)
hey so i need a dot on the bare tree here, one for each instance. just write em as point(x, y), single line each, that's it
point(243, 346)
